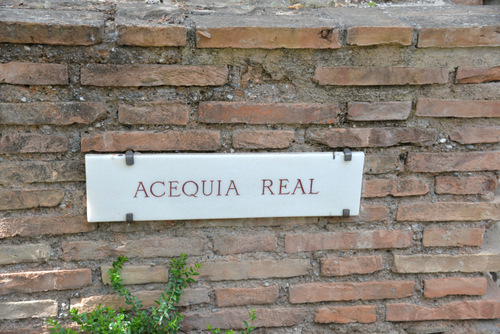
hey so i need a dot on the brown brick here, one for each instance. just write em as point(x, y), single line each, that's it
point(33, 143)
point(246, 296)
point(379, 76)
point(27, 199)
point(229, 244)
point(41, 171)
point(343, 315)
point(33, 74)
point(28, 309)
point(364, 36)
point(255, 139)
point(378, 111)
point(158, 112)
point(394, 187)
point(442, 287)
point(322, 292)
point(460, 310)
point(340, 266)
point(268, 113)
point(476, 135)
point(440, 237)
point(35, 226)
point(241, 270)
point(465, 185)
point(449, 37)
point(24, 253)
point(474, 75)
point(367, 213)
point(453, 162)
point(189, 140)
point(138, 274)
point(381, 163)
point(448, 211)
point(153, 75)
point(143, 35)
point(458, 108)
point(442, 263)
point(348, 240)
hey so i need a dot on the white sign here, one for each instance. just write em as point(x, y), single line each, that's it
point(206, 186)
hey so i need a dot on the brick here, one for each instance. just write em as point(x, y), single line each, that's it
point(465, 185)
point(24, 253)
point(268, 113)
point(323, 292)
point(58, 113)
point(153, 75)
point(340, 266)
point(37, 281)
point(394, 187)
point(476, 135)
point(229, 244)
point(379, 76)
point(28, 309)
point(145, 248)
point(246, 296)
point(372, 137)
point(364, 36)
point(148, 35)
point(343, 315)
point(449, 37)
point(440, 237)
point(458, 108)
point(448, 211)
point(138, 274)
point(367, 213)
point(255, 139)
point(35, 226)
point(348, 240)
point(27, 199)
point(381, 163)
point(442, 263)
point(241, 270)
point(15, 73)
point(466, 286)
point(378, 111)
point(189, 140)
point(453, 162)
point(468, 2)
point(474, 75)
point(158, 112)
point(33, 143)
point(41, 171)
point(460, 310)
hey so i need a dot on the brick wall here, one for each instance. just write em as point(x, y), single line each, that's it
point(416, 89)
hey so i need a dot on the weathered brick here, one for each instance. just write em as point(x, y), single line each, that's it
point(372, 137)
point(474, 75)
point(440, 237)
point(450, 37)
point(464, 185)
point(246, 296)
point(442, 287)
point(343, 315)
point(453, 162)
point(341, 266)
point(322, 292)
point(27, 199)
point(468, 2)
point(367, 213)
point(348, 240)
point(379, 76)
point(255, 139)
point(150, 247)
point(28, 309)
point(189, 140)
point(458, 108)
point(394, 187)
point(33, 74)
point(153, 75)
point(33, 143)
point(37, 281)
point(364, 36)
point(149, 35)
point(138, 274)
point(35, 226)
point(157, 112)
point(476, 135)
point(448, 211)
point(381, 163)
point(229, 244)
point(268, 113)
point(24, 253)
point(442, 263)
point(378, 111)
point(222, 271)
point(41, 171)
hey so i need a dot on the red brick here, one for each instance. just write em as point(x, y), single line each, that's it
point(255, 139)
point(35, 226)
point(144, 35)
point(348, 240)
point(448, 37)
point(380, 76)
point(33, 143)
point(41, 171)
point(131, 274)
point(442, 287)
point(343, 315)
point(465, 185)
point(24, 253)
point(458, 108)
point(33, 74)
point(476, 135)
point(440, 237)
point(37, 281)
point(28, 309)
point(460, 310)
point(323, 292)
point(453, 162)
point(229, 244)
point(27, 199)
point(340, 266)
point(378, 111)
point(364, 36)
point(158, 112)
point(442, 263)
point(153, 75)
point(246, 296)
point(448, 211)
point(394, 187)
point(367, 213)
point(189, 140)
point(381, 163)
point(474, 75)
point(268, 113)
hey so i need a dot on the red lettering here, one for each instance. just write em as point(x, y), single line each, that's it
point(232, 186)
point(151, 189)
point(311, 188)
point(218, 192)
point(268, 186)
point(193, 194)
point(283, 186)
point(211, 187)
point(173, 188)
point(297, 186)
point(140, 187)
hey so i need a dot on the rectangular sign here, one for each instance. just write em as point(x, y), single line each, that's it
point(208, 186)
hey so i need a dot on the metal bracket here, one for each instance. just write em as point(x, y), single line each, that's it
point(129, 158)
point(347, 154)
point(129, 217)
point(346, 213)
